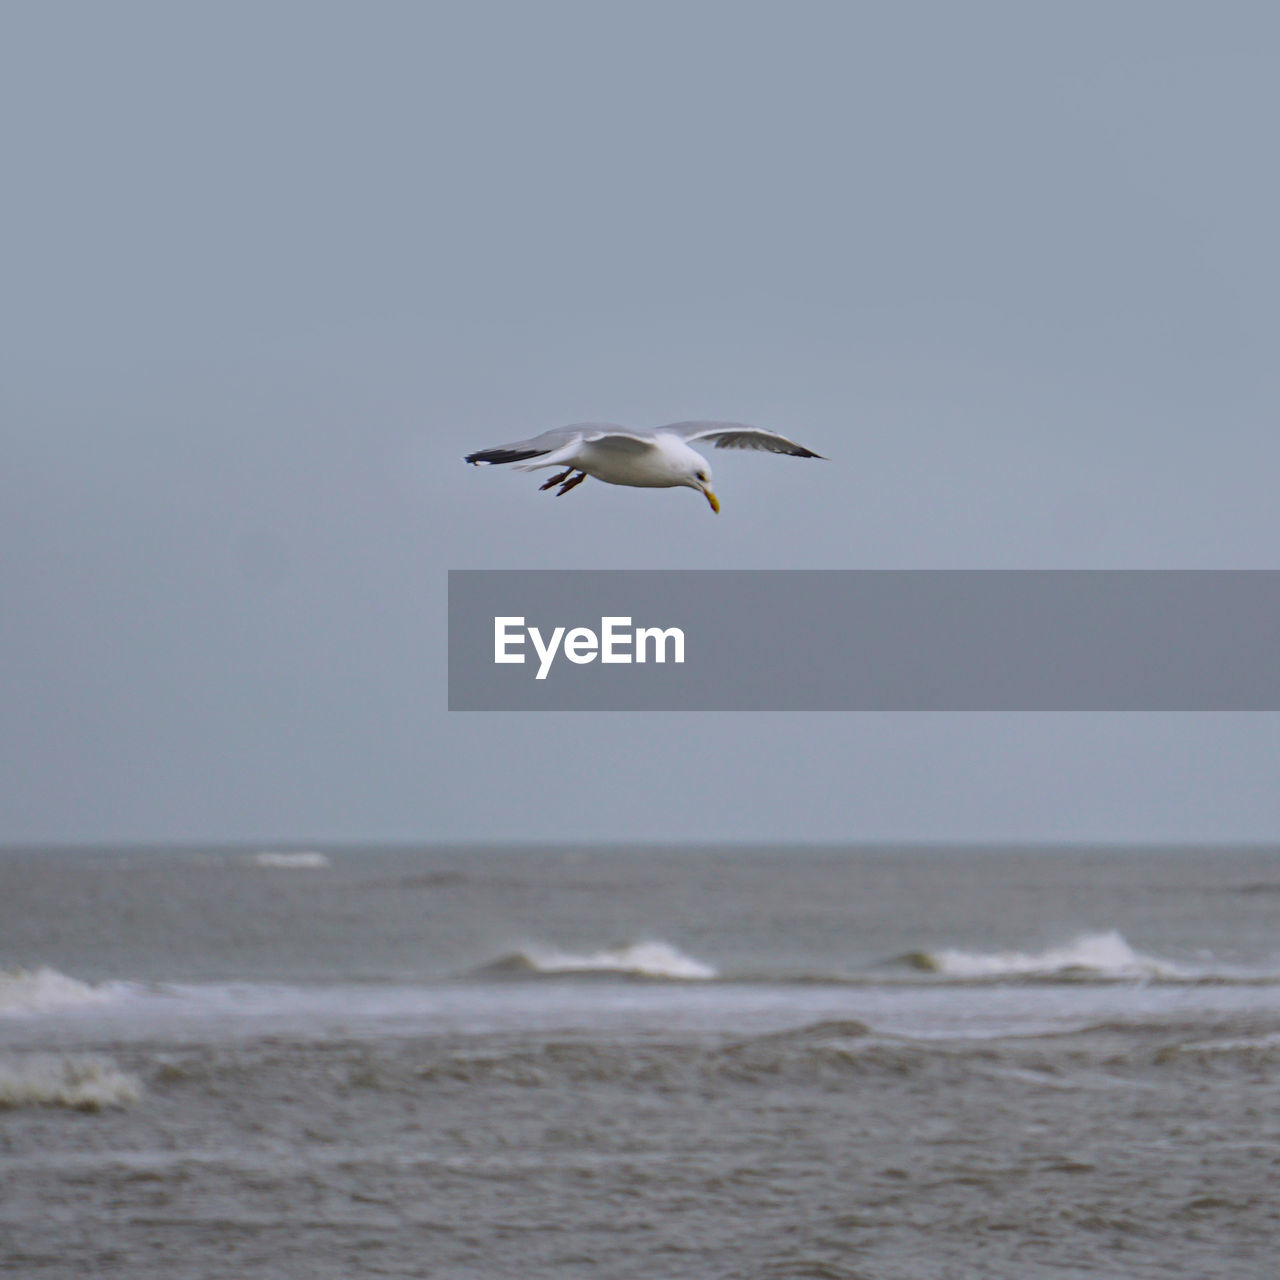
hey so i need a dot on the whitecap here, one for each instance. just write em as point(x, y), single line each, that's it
point(43, 990)
point(1097, 955)
point(304, 859)
point(649, 959)
point(84, 1082)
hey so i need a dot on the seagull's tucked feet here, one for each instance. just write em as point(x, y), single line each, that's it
point(568, 484)
point(555, 480)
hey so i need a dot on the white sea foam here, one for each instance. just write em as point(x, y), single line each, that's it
point(85, 1082)
point(291, 861)
point(652, 959)
point(1098, 955)
point(43, 990)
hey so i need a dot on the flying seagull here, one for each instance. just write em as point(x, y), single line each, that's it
point(658, 459)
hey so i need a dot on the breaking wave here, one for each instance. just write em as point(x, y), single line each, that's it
point(287, 861)
point(83, 1082)
point(652, 959)
point(1096, 956)
point(44, 989)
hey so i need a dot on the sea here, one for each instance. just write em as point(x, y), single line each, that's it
point(649, 1062)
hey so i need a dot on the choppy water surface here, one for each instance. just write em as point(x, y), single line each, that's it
point(474, 1063)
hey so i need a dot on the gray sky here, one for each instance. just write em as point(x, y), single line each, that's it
point(268, 270)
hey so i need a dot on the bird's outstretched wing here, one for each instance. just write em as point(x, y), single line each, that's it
point(518, 450)
point(738, 435)
point(563, 441)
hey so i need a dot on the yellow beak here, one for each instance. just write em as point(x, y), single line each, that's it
point(715, 502)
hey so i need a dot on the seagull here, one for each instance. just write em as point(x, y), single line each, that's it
point(658, 459)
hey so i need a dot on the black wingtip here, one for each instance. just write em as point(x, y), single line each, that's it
point(492, 457)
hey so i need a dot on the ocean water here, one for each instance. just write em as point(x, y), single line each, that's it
point(902, 1064)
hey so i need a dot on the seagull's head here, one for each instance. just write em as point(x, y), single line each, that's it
point(700, 479)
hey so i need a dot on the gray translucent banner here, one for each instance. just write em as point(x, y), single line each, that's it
point(837, 640)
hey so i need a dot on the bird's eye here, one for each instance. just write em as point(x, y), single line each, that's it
point(702, 475)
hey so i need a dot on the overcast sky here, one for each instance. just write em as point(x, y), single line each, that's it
point(268, 270)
